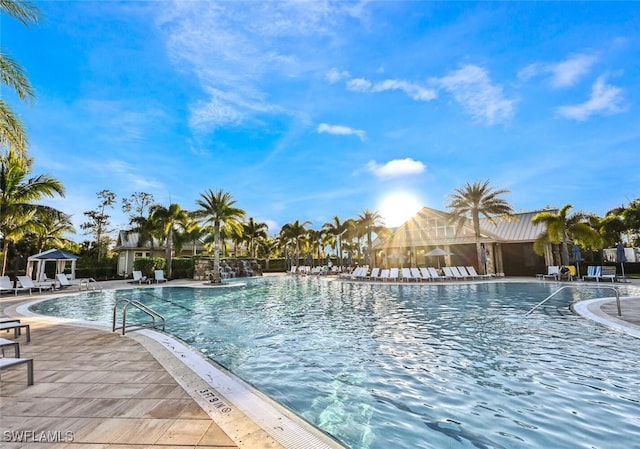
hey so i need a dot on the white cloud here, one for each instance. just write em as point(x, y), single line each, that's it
point(396, 168)
point(341, 130)
point(239, 51)
point(604, 99)
point(472, 88)
point(564, 73)
point(414, 91)
point(335, 76)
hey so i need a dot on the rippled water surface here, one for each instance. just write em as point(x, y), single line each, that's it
point(412, 366)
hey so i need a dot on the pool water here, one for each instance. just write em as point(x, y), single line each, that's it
point(412, 366)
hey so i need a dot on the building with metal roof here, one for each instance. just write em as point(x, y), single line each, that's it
point(507, 244)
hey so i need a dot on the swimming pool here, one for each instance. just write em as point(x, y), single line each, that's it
point(411, 366)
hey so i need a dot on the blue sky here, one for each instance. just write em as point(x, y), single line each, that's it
point(308, 110)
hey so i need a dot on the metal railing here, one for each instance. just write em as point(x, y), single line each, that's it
point(90, 283)
point(134, 326)
point(615, 289)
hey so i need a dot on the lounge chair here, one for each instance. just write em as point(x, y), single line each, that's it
point(463, 272)
point(472, 271)
point(426, 276)
point(27, 283)
point(436, 276)
point(158, 276)
point(16, 328)
point(394, 274)
point(138, 277)
point(553, 271)
point(593, 273)
point(64, 281)
point(417, 275)
point(406, 275)
point(4, 343)
point(453, 273)
point(375, 274)
point(7, 285)
point(8, 362)
point(384, 275)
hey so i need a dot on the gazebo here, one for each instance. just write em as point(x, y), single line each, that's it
point(58, 256)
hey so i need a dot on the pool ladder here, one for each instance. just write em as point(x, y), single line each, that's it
point(615, 290)
point(135, 326)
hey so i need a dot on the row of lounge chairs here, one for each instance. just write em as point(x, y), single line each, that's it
point(415, 274)
point(139, 278)
point(594, 273)
point(26, 284)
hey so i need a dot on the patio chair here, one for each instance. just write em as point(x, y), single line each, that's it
point(158, 276)
point(138, 277)
point(435, 275)
point(7, 285)
point(27, 283)
point(64, 281)
point(553, 271)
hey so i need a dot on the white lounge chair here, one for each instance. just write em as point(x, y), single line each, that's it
point(417, 275)
point(375, 274)
point(6, 284)
point(64, 281)
point(158, 276)
point(553, 271)
point(426, 276)
point(452, 272)
point(407, 275)
point(27, 283)
point(138, 277)
point(472, 271)
point(435, 275)
point(384, 275)
point(394, 274)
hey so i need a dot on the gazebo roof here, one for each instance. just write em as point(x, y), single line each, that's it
point(54, 254)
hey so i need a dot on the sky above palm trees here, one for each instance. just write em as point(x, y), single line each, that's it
point(310, 110)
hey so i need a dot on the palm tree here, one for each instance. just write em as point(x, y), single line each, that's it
point(12, 133)
point(53, 225)
point(267, 248)
point(472, 201)
point(169, 221)
point(18, 195)
point(217, 208)
point(293, 233)
point(315, 237)
point(370, 223)
point(561, 228)
point(254, 230)
point(337, 228)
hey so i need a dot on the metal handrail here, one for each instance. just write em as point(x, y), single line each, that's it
point(90, 283)
point(138, 305)
point(615, 289)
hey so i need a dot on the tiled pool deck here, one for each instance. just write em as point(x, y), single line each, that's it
point(97, 389)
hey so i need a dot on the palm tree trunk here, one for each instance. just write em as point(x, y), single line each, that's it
point(216, 278)
point(169, 250)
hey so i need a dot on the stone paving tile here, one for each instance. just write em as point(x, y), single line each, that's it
point(108, 391)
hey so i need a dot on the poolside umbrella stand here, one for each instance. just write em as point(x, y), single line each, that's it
point(577, 258)
point(621, 258)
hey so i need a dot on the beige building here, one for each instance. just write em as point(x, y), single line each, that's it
point(508, 245)
point(129, 250)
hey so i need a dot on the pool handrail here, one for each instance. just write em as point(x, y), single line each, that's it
point(615, 289)
point(138, 305)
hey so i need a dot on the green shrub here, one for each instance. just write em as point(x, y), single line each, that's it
point(182, 267)
point(148, 264)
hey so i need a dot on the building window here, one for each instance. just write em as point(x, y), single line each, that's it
point(141, 254)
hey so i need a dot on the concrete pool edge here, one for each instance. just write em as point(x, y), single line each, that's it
point(249, 417)
point(591, 309)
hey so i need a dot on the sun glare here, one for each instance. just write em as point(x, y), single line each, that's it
point(398, 207)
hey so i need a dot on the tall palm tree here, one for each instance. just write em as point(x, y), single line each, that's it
point(217, 208)
point(12, 132)
point(475, 200)
point(337, 228)
point(315, 237)
point(370, 222)
point(18, 195)
point(293, 233)
point(561, 228)
point(169, 221)
point(254, 230)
